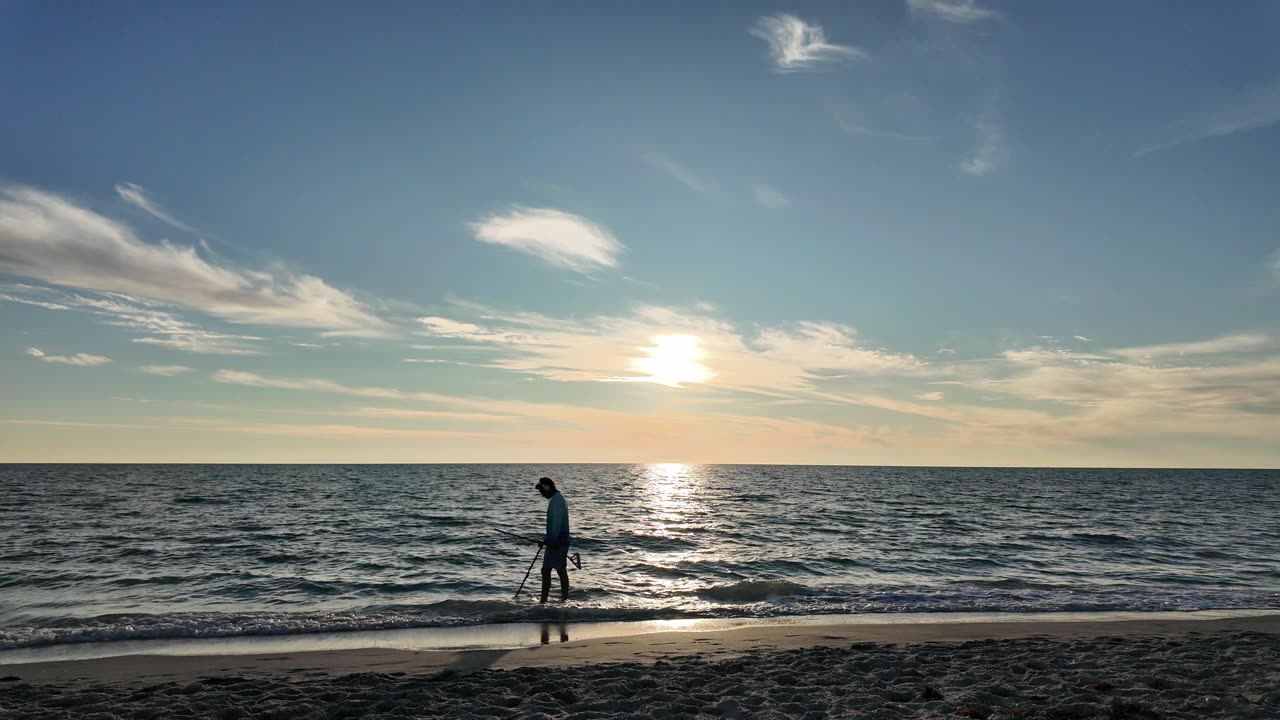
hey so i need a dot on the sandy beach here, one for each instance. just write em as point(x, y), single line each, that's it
point(1107, 669)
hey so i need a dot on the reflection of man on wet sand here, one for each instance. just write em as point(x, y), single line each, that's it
point(546, 632)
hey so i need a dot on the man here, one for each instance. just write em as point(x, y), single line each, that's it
point(557, 540)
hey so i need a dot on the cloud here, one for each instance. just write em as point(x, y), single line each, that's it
point(770, 197)
point(1082, 338)
point(1227, 344)
point(991, 152)
point(930, 396)
point(559, 238)
point(410, 414)
point(47, 237)
point(1041, 356)
point(681, 174)
point(657, 344)
point(164, 328)
point(556, 431)
point(795, 45)
point(953, 11)
point(237, 377)
point(135, 195)
point(1255, 110)
point(79, 359)
point(164, 370)
point(38, 303)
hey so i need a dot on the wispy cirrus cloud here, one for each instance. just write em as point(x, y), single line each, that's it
point(135, 195)
point(795, 45)
point(991, 152)
point(559, 238)
point(34, 302)
point(896, 114)
point(552, 431)
point(1244, 342)
point(79, 359)
point(770, 197)
point(46, 237)
point(953, 11)
point(164, 370)
point(239, 377)
point(162, 328)
point(1257, 109)
point(681, 174)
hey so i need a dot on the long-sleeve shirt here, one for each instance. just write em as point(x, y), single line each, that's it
point(557, 522)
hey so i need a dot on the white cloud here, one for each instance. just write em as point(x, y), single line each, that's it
point(829, 346)
point(795, 45)
point(954, 11)
point(410, 414)
point(770, 197)
point(1256, 110)
point(165, 370)
point(237, 377)
point(991, 152)
point(79, 359)
point(1042, 356)
point(1082, 338)
point(135, 195)
point(48, 238)
point(930, 396)
point(560, 238)
point(164, 328)
point(447, 328)
point(37, 303)
point(781, 360)
point(1227, 344)
point(681, 174)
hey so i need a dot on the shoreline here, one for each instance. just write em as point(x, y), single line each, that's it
point(644, 646)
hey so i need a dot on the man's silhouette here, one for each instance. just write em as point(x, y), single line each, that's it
point(557, 539)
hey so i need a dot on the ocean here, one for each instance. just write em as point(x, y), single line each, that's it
point(121, 552)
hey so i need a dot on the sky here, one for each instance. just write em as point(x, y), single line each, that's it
point(907, 232)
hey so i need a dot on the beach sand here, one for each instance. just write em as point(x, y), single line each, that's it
point(1114, 669)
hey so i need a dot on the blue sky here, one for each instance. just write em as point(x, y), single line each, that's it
point(898, 231)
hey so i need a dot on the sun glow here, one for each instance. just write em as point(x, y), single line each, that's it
point(673, 360)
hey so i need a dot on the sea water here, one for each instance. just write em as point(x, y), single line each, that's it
point(128, 552)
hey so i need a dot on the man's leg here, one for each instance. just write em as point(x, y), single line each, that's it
point(546, 582)
point(564, 582)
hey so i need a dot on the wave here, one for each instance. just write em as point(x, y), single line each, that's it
point(751, 591)
point(745, 599)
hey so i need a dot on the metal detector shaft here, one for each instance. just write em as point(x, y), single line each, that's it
point(518, 537)
point(526, 572)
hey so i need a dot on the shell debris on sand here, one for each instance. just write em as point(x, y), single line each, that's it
point(1133, 678)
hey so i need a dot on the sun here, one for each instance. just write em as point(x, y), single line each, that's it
point(673, 360)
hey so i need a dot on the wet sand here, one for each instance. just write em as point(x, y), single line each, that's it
point(1132, 668)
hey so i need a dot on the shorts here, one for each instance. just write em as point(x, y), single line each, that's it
point(556, 558)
